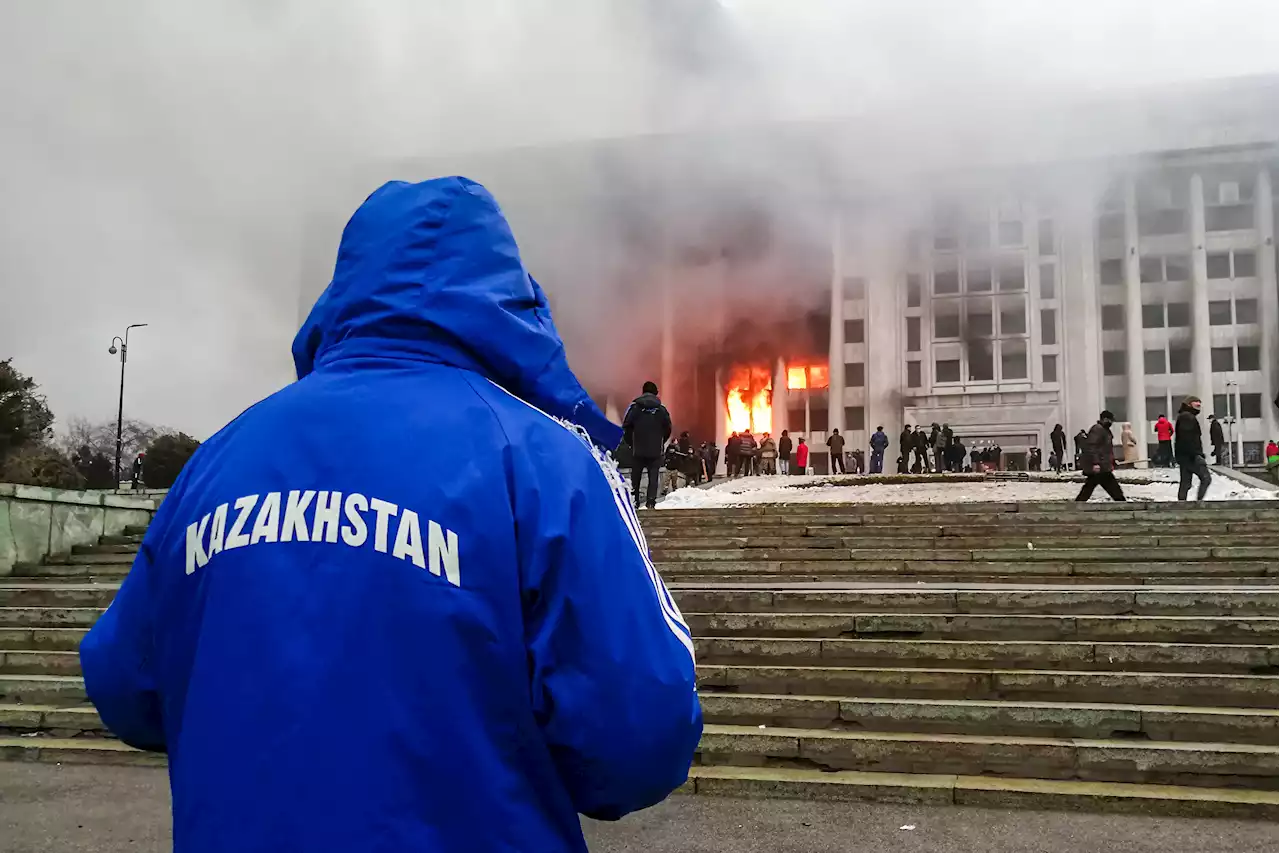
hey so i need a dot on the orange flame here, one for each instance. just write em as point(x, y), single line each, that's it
point(800, 377)
point(749, 400)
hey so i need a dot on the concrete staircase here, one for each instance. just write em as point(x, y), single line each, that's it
point(1094, 657)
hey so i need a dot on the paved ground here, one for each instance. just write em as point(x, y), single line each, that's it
point(75, 809)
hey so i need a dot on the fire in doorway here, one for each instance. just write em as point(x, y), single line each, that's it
point(749, 394)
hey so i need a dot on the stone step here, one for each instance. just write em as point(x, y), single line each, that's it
point(42, 639)
point(982, 791)
point(886, 514)
point(51, 720)
point(1009, 567)
point(104, 558)
point(939, 682)
point(1006, 717)
point(48, 617)
point(27, 662)
point(935, 530)
point(738, 544)
point(135, 530)
point(103, 547)
point(32, 593)
point(943, 579)
point(1124, 656)
point(920, 553)
point(83, 750)
point(42, 689)
point(1062, 509)
point(1138, 602)
point(133, 539)
point(1160, 629)
point(74, 570)
point(1152, 763)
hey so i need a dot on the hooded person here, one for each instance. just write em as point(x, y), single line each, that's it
point(468, 601)
point(646, 428)
point(1058, 441)
point(1164, 437)
point(1217, 440)
point(1188, 450)
point(1098, 460)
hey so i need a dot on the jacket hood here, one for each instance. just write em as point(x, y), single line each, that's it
point(431, 272)
point(647, 401)
point(1186, 407)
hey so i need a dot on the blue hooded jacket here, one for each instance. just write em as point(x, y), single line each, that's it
point(396, 605)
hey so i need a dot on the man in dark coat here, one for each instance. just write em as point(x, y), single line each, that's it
point(748, 453)
point(646, 428)
point(879, 441)
point(1098, 460)
point(1079, 439)
point(1058, 439)
point(784, 453)
point(836, 445)
point(920, 442)
point(1218, 440)
point(1188, 449)
point(731, 448)
point(906, 443)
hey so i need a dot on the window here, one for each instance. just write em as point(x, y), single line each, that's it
point(1111, 226)
point(946, 319)
point(1250, 405)
point(913, 374)
point(1047, 281)
point(913, 290)
point(1246, 310)
point(1228, 218)
point(1117, 406)
point(981, 363)
point(1244, 264)
point(1048, 326)
point(977, 235)
point(913, 334)
point(855, 288)
point(1179, 314)
point(1249, 358)
point(947, 370)
point(1219, 265)
point(1253, 453)
point(1151, 269)
point(1223, 359)
point(1220, 312)
point(1166, 221)
point(818, 419)
point(1153, 362)
point(1049, 368)
point(914, 239)
point(1013, 277)
point(978, 312)
point(1153, 316)
point(1177, 268)
point(1156, 406)
point(853, 331)
point(855, 417)
point(1046, 237)
point(1113, 362)
point(1221, 405)
point(1011, 233)
point(1179, 359)
point(1013, 318)
point(946, 281)
point(1223, 192)
point(1111, 272)
point(855, 374)
point(1013, 360)
point(1112, 317)
point(977, 279)
point(795, 417)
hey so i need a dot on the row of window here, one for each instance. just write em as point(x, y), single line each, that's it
point(1165, 221)
point(978, 235)
point(1250, 406)
point(1174, 315)
point(978, 316)
point(1242, 263)
point(1154, 361)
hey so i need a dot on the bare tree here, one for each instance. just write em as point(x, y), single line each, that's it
point(100, 438)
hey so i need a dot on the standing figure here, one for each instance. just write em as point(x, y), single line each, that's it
point(768, 455)
point(1188, 450)
point(802, 458)
point(836, 445)
point(1218, 440)
point(1164, 435)
point(1058, 441)
point(879, 441)
point(646, 428)
point(1098, 460)
point(784, 453)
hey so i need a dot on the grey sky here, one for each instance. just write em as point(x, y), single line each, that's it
point(158, 159)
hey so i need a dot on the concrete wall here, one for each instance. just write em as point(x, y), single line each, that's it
point(36, 522)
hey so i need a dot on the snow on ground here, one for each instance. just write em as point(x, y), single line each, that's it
point(1154, 485)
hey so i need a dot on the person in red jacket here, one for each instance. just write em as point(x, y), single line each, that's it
point(1164, 434)
point(802, 458)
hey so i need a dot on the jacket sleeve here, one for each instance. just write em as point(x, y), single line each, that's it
point(611, 660)
point(116, 658)
point(666, 423)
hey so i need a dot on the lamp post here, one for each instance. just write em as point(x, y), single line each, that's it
point(1232, 387)
point(124, 356)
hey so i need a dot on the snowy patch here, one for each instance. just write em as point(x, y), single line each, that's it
point(1155, 485)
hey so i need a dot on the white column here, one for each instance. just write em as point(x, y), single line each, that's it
point(835, 349)
point(1264, 220)
point(1136, 396)
point(780, 399)
point(1201, 364)
point(722, 421)
point(666, 382)
point(883, 272)
point(1080, 363)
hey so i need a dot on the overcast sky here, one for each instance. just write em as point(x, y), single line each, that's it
point(158, 158)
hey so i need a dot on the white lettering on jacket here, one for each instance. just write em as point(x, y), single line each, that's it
point(324, 518)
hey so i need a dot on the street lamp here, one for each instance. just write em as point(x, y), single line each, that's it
point(1230, 419)
point(124, 356)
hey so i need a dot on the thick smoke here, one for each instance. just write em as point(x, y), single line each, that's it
point(185, 164)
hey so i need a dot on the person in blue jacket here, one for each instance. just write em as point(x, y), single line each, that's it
point(454, 640)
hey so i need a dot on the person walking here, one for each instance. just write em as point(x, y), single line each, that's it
point(1098, 460)
point(1164, 437)
point(1188, 450)
point(1058, 442)
point(1129, 444)
point(1272, 455)
point(920, 445)
point(768, 455)
point(478, 615)
point(646, 427)
point(1218, 440)
point(784, 453)
point(802, 458)
point(835, 444)
point(859, 461)
point(135, 474)
point(879, 441)
point(906, 442)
